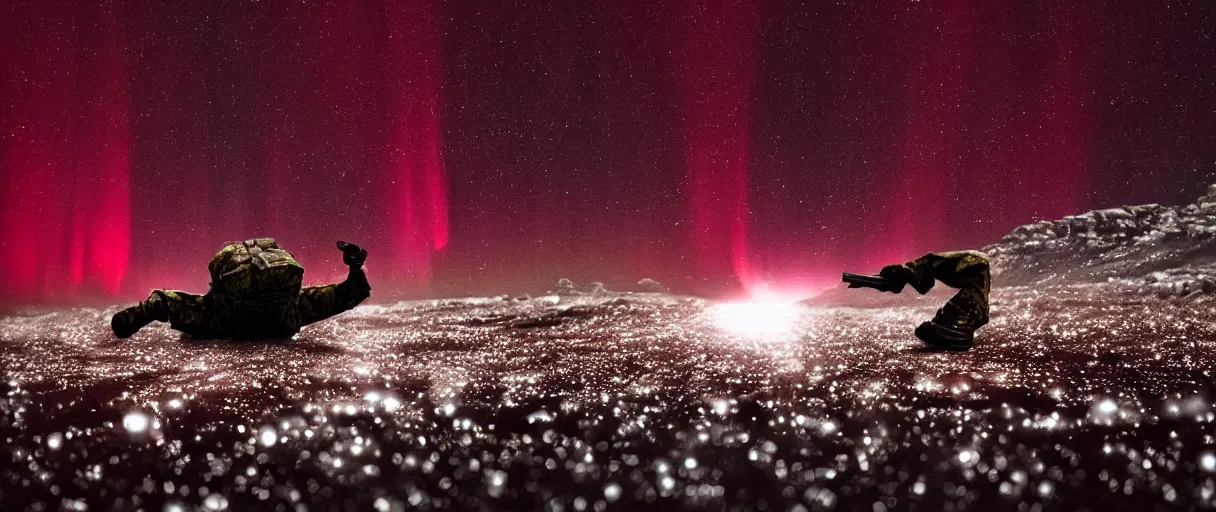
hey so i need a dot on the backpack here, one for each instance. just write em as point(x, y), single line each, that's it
point(256, 269)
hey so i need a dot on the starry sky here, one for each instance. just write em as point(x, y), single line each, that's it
point(722, 148)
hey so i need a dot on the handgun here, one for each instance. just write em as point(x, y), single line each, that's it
point(879, 283)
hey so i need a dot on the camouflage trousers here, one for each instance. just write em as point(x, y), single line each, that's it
point(966, 270)
point(216, 315)
point(204, 316)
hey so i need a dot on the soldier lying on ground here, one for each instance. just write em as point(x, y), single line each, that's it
point(954, 325)
point(255, 293)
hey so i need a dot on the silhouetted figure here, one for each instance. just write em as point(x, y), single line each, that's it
point(954, 325)
point(255, 293)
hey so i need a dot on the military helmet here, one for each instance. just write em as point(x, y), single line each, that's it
point(255, 268)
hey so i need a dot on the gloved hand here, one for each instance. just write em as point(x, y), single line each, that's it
point(894, 273)
point(352, 255)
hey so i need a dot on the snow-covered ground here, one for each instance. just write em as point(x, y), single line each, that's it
point(625, 401)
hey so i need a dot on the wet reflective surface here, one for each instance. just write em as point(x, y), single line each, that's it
point(1069, 400)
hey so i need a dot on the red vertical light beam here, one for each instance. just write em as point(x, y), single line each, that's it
point(37, 124)
point(109, 240)
point(715, 64)
point(938, 67)
point(418, 184)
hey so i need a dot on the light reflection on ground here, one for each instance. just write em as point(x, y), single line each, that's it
point(756, 319)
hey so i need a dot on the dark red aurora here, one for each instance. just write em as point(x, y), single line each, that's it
point(480, 147)
point(743, 154)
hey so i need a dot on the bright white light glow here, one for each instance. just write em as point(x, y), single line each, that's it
point(135, 422)
point(391, 404)
point(268, 436)
point(756, 318)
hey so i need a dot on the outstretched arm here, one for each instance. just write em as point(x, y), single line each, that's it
point(317, 303)
point(955, 269)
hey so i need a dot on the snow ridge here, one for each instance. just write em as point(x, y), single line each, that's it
point(1153, 248)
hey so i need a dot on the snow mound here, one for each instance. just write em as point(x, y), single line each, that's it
point(1149, 248)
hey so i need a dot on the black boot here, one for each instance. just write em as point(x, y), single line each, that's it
point(944, 337)
point(129, 321)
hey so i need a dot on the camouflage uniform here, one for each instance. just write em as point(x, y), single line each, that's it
point(272, 305)
point(966, 311)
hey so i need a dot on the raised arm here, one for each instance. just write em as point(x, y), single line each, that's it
point(317, 303)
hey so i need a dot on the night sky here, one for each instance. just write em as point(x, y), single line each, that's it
point(494, 147)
